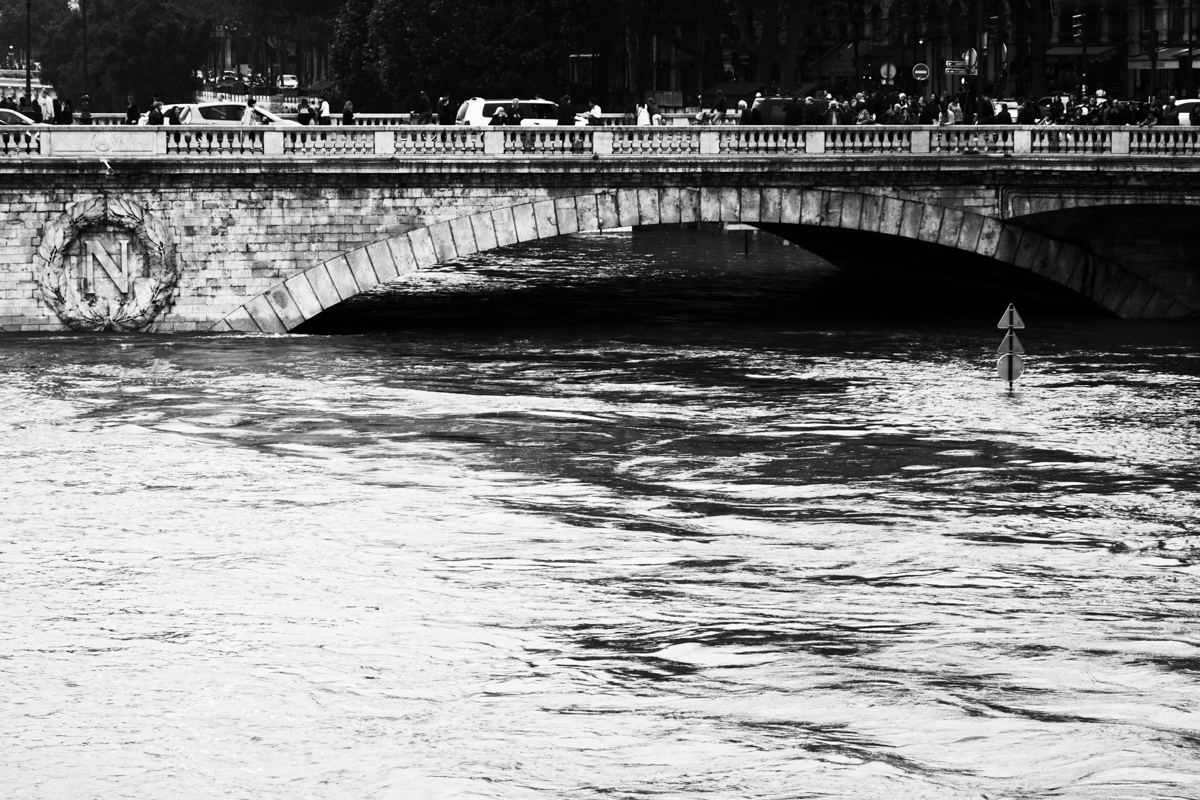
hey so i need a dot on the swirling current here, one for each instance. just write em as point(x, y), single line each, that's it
point(619, 516)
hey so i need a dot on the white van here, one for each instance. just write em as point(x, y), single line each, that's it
point(534, 113)
point(289, 82)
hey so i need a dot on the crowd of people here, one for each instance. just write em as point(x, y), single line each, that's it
point(879, 107)
point(893, 107)
point(44, 108)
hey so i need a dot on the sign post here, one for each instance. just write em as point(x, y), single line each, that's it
point(1010, 365)
point(887, 71)
point(920, 72)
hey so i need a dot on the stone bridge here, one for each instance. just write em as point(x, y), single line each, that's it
point(261, 229)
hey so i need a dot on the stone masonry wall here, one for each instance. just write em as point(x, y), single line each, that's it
point(241, 227)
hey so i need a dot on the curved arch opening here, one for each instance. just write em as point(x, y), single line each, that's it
point(664, 276)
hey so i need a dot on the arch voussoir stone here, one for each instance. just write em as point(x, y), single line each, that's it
point(304, 295)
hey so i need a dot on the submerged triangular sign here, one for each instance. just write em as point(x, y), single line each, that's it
point(1017, 347)
point(1011, 318)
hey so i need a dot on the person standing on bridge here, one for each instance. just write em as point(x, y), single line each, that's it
point(514, 112)
point(424, 109)
point(348, 113)
point(566, 111)
point(323, 111)
point(132, 114)
point(445, 111)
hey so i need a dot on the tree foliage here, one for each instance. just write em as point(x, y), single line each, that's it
point(463, 48)
point(138, 47)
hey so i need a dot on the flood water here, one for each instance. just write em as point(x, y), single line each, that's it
point(606, 517)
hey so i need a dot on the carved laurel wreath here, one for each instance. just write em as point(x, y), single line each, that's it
point(92, 313)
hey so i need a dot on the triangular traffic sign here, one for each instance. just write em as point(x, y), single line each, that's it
point(1011, 318)
point(1017, 347)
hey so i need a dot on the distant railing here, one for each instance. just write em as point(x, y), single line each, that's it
point(415, 141)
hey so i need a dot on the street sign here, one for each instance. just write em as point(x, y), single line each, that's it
point(1017, 347)
point(1011, 318)
point(920, 72)
point(887, 71)
point(1010, 366)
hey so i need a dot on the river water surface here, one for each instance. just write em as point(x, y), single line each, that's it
point(605, 517)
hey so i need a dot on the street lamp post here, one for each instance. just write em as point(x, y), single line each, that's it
point(28, 52)
point(83, 13)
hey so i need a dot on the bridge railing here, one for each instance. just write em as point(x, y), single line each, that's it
point(414, 141)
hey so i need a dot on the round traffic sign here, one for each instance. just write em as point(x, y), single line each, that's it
point(920, 72)
point(1009, 367)
point(887, 71)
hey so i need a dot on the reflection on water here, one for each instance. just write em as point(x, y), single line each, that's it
point(604, 517)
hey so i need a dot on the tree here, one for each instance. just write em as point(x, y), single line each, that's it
point(138, 47)
point(497, 48)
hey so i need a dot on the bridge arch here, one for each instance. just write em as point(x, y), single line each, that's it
point(302, 296)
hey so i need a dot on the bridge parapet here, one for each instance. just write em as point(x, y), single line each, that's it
point(661, 141)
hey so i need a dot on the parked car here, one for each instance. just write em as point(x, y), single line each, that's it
point(288, 82)
point(1188, 109)
point(219, 113)
point(534, 113)
point(10, 117)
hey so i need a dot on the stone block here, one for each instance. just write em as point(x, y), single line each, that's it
point(770, 205)
point(402, 254)
point(421, 242)
point(285, 308)
point(989, 236)
point(526, 223)
point(606, 210)
point(324, 287)
point(627, 207)
point(1008, 243)
point(568, 219)
point(931, 224)
point(1119, 284)
point(648, 211)
point(587, 213)
point(303, 296)
point(951, 227)
point(870, 213)
point(893, 215)
point(790, 206)
point(505, 226)
point(545, 218)
point(443, 242)
point(1029, 252)
point(910, 219)
point(669, 206)
point(464, 236)
point(241, 321)
point(968, 231)
point(710, 204)
point(342, 276)
point(264, 316)
point(731, 205)
point(811, 206)
point(749, 201)
point(1135, 303)
point(381, 259)
point(851, 210)
point(1158, 305)
point(689, 205)
point(360, 265)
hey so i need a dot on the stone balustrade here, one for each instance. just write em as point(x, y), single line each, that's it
point(412, 141)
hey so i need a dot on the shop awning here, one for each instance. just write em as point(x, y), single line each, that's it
point(1095, 53)
point(1168, 58)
